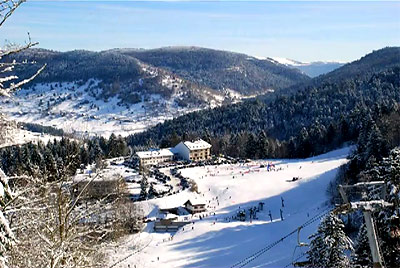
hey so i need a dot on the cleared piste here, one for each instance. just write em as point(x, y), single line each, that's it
point(219, 241)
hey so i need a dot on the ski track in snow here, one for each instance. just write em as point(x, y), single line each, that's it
point(216, 242)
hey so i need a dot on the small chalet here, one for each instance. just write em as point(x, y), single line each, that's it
point(194, 206)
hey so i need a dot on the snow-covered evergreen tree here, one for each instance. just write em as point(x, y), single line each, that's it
point(152, 192)
point(329, 244)
point(362, 253)
point(6, 235)
point(387, 219)
point(143, 188)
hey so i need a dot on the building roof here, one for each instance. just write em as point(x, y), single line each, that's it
point(196, 145)
point(154, 153)
point(168, 216)
point(195, 202)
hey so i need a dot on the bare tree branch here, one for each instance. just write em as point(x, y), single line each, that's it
point(8, 7)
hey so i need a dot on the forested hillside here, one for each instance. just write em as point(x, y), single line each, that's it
point(119, 75)
point(132, 74)
point(220, 69)
point(374, 62)
point(308, 122)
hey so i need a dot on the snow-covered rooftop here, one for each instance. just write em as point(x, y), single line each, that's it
point(155, 153)
point(199, 144)
point(168, 216)
point(195, 202)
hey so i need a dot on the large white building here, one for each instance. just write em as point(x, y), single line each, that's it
point(154, 157)
point(193, 151)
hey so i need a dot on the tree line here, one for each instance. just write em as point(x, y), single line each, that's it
point(63, 155)
point(309, 122)
point(330, 245)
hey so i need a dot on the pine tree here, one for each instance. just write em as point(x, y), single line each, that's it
point(84, 155)
point(304, 148)
point(362, 252)
point(51, 166)
point(387, 219)
point(251, 146)
point(122, 147)
point(263, 145)
point(328, 246)
point(152, 192)
point(143, 188)
point(376, 145)
point(96, 153)
point(112, 146)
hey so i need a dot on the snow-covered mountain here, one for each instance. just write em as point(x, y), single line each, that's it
point(312, 69)
point(77, 108)
point(128, 90)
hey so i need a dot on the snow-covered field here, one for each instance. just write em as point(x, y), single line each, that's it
point(13, 134)
point(75, 109)
point(22, 136)
point(220, 241)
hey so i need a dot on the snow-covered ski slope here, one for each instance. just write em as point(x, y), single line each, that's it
point(219, 241)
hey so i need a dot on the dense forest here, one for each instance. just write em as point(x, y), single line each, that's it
point(59, 156)
point(221, 69)
point(132, 76)
point(309, 122)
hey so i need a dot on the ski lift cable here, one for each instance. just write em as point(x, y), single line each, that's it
point(274, 244)
point(295, 260)
point(268, 247)
point(260, 252)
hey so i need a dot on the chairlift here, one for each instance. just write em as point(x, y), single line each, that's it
point(299, 245)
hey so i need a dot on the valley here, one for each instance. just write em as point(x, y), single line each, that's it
point(280, 144)
point(76, 110)
point(199, 134)
point(126, 91)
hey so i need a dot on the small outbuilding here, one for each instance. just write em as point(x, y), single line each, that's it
point(194, 206)
point(168, 225)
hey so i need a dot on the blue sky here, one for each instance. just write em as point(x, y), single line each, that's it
point(305, 31)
